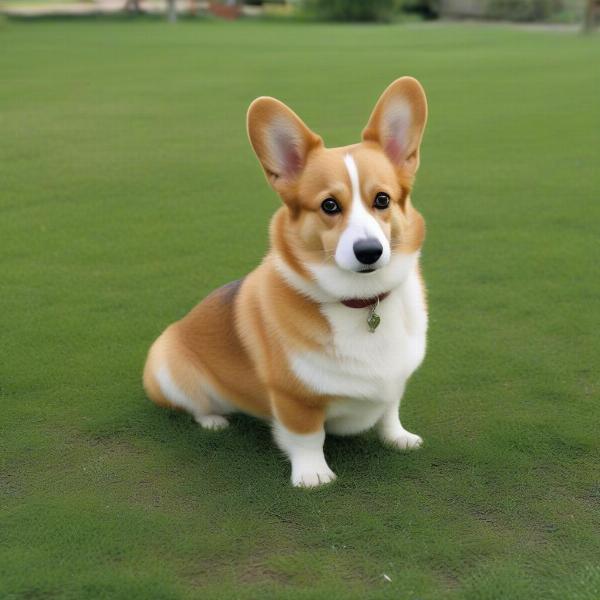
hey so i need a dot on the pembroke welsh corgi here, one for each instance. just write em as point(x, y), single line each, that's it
point(323, 335)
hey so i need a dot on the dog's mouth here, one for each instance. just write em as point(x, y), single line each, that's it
point(369, 270)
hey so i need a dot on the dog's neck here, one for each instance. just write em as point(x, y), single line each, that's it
point(364, 302)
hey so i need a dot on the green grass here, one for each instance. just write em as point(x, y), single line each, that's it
point(129, 191)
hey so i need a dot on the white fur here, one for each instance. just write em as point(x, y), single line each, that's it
point(361, 225)
point(331, 283)
point(340, 284)
point(214, 422)
point(350, 416)
point(309, 467)
point(367, 371)
point(391, 431)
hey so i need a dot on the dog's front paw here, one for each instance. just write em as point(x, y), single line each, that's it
point(312, 478)
point(405, 441)
point(311, 472)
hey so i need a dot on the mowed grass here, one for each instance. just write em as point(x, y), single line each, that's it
point(129, 191)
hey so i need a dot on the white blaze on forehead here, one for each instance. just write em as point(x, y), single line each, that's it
point(361, 225)
point(353, 174)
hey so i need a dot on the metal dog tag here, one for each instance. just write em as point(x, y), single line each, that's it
point(374, 319)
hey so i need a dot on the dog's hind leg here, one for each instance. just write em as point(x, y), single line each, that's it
point(192, 397)
point(171, 380)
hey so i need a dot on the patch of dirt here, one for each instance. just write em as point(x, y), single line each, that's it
point(257, 573)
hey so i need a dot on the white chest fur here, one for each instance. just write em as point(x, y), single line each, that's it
point(365, 370)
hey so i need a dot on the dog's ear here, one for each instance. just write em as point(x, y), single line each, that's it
point(397, 122)
point(281, 141)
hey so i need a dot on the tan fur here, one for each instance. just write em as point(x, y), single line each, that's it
point(236, 341)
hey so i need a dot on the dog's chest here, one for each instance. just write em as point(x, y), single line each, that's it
point(365, 365)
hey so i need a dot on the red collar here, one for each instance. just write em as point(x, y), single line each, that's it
point(364, 302)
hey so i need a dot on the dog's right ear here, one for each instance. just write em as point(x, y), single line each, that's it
point(282, 143)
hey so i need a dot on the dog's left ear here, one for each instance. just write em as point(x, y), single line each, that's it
point(397, 123)
point(282, 143)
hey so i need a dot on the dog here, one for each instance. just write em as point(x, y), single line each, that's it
point(323, 335)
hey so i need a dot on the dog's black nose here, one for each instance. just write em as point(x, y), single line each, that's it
point(368, 251)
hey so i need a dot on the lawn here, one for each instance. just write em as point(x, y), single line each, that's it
point(128, 191)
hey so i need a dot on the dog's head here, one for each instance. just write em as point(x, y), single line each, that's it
point(349, 224)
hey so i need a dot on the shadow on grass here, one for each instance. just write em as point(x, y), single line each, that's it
point(244, 456)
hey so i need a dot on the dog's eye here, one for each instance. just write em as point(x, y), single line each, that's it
point(330, 206)
point(381, 201)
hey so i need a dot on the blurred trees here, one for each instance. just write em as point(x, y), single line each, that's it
point(592, 11)
point(351, 10)
point(523, 10)
point(383, 10)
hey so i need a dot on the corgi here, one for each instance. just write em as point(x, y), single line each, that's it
point(323, 335)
